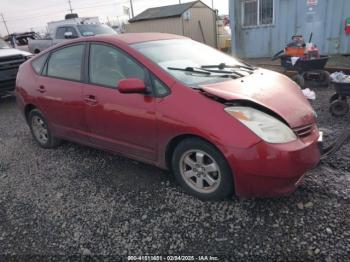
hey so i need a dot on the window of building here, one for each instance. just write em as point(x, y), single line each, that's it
point(257, 12)
point(66, 63)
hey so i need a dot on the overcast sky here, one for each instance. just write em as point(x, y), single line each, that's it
point(23, 15)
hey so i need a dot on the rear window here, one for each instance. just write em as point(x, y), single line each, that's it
point(65, 63)
point(60, 32)
point(39, 63)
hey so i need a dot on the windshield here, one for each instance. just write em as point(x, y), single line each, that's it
point(90, 30)
point(3, 44)
point(186, 53)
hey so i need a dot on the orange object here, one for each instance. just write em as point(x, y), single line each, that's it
point(294, 51)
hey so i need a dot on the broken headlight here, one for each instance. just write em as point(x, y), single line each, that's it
point(267, 127)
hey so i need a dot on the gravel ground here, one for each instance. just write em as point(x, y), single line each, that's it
point(76, 200)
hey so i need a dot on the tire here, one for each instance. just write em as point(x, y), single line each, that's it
point(325, 79)
point(299, 79)
point(202, 170)
point(40, 130)
point(339, 108)
point(334, 98)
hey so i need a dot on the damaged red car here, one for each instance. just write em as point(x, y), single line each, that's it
point(221, 126)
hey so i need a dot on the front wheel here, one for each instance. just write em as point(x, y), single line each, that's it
point(202, 170)
point(41, 131)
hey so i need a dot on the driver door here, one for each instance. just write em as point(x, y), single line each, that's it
point(124, 123)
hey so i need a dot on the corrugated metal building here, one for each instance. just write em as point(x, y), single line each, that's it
point(194, 19)
point(261, 28)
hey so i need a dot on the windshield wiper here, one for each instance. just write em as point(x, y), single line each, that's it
point(191, 70)
point(223, 66)
point(207, 72)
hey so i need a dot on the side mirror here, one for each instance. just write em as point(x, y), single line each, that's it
point(68, 35)
point(132, 86)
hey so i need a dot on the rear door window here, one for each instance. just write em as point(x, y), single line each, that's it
point(66, 63)
point(39, 63)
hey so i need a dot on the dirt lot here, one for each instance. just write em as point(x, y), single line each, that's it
point(76, 200)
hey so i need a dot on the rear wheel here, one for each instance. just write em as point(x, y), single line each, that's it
point(202, 170)
point(41, 131)
point(339, 108)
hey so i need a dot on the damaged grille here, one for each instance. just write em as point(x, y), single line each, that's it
point(303, 131)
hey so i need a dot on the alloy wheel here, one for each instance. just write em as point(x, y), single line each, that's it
point(40, 130)
point(200, 171)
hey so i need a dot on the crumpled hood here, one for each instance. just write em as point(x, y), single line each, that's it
point(11, 51)
point(271, 90)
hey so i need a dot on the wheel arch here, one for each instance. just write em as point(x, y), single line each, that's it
point(28, 108)
point(170, 148)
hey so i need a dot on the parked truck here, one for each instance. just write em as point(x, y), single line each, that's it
point(70, 28)
point(10, 60)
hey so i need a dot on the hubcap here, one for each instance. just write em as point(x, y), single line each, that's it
point(200, 171)
point(40, 130)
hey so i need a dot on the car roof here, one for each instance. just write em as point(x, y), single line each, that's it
point(127, 39)
point(133, 38)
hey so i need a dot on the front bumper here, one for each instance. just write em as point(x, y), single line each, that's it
point(7, 86)
point(270, 170)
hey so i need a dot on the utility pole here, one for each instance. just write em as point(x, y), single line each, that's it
point(3, 20)
point(212, 4)
point(70, 6)
point(179, 2)
point(132, 9)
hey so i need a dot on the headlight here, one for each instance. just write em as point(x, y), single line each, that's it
point(28, 57)
point(268, 128)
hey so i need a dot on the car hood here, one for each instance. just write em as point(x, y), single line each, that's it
point(11, 51)
point(271, 90)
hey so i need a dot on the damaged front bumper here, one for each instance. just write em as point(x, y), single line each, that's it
point(270, 170)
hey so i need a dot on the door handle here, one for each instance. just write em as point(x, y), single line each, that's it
point(42, 89)
point(90, 99)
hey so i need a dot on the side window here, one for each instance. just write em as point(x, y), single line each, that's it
point(73, 31)
point(160, 89)
point(60, 32)
point(107, 66)
point(66, 63)
point(39, 63)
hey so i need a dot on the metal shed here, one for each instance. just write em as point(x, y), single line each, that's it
point(260, 28)
point(194, 19)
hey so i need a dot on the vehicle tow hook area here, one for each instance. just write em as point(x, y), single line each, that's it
point(342, 140)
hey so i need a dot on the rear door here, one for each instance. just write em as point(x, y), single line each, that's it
point(124, 123)
point(60, 92)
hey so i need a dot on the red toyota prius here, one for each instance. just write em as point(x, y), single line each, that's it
point(220, 125)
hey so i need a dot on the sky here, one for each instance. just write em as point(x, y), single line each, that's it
point(26, 15)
